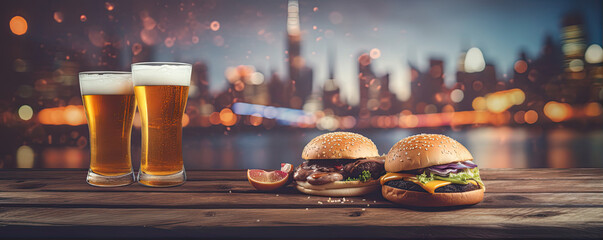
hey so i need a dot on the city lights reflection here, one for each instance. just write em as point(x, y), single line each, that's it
point(25, 157)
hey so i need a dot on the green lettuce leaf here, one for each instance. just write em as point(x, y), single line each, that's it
point(459, 178)
point(365, 176)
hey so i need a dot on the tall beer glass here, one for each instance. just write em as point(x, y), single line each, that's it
point(110, 104)
point(161, 91)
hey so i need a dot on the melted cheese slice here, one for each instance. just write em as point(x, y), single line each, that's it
point(394, 176)
point(430, 187)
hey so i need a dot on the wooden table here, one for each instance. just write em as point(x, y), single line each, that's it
point(518, 203)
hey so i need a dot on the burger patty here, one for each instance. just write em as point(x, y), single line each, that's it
point(450, 188)
point(337, 169)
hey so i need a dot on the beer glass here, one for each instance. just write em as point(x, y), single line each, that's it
point(110, 104)
point(161, 91)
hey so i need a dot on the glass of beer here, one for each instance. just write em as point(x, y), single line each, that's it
point(110, 104)
point(161, 91)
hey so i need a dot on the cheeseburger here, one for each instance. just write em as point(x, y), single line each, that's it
point(431, 170)
point(339, 164)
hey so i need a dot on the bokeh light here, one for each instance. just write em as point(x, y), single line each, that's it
point(474, 61)
point(256, 78)
point(214, 26)
point(593, 109)
point(70, 115)
point(25, 112)
point(576, 65)
point(375, 53)
point(556, 111)
point(520, 66)
point(594, 54)
point(531, 117)
point(457, 95)
point(58, 17)
point(227, 117)
point(25, 157)
point(18, 25)
point(479, 104)
point(109, 6)
point(255, 119)
point(21, 65)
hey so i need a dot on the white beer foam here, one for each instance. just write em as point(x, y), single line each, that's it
point(150, 75)
point(106, 84)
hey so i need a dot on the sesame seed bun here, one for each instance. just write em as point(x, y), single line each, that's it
point(421, 199)
point(339, 188)
point(425, 150)
point(340, 145)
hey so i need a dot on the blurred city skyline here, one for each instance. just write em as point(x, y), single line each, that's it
point(225, 34)
point(524, 76)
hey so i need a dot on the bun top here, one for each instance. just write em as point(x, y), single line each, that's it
point(340, 145)
point(425, 150)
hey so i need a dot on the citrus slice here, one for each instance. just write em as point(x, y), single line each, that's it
point(267, 180)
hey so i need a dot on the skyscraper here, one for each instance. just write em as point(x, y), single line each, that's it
point(331, 93)
point(573, 45)
point(300, 77)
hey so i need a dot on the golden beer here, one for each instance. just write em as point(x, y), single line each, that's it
point(161, 91)
point(110, 123)
point(110, 103)
point(161, 128)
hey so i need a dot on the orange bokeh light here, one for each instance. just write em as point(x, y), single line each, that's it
point(530, 117)
point(109, 6)
point(58, 17)
point(519, 117)
point(214, 26)
point(70, 115)
point(593, 109)
point(214, 118)
point(227, 117)
point(520, 66)
point(255, 120)
point(74, 115)
point(556, 111)
point(18, 25)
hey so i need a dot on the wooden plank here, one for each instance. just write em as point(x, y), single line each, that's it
point(502, 186)
point(207, 175)
point(331, 222)
point(274, 201)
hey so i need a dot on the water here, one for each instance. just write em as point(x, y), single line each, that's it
point(492, 147)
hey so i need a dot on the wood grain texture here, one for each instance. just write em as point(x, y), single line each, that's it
point(342, 222)
point(492, 186)
point(270, 200)
point(58, 203)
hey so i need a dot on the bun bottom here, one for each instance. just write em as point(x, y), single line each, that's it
point(339, 188)
point(421, 199)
